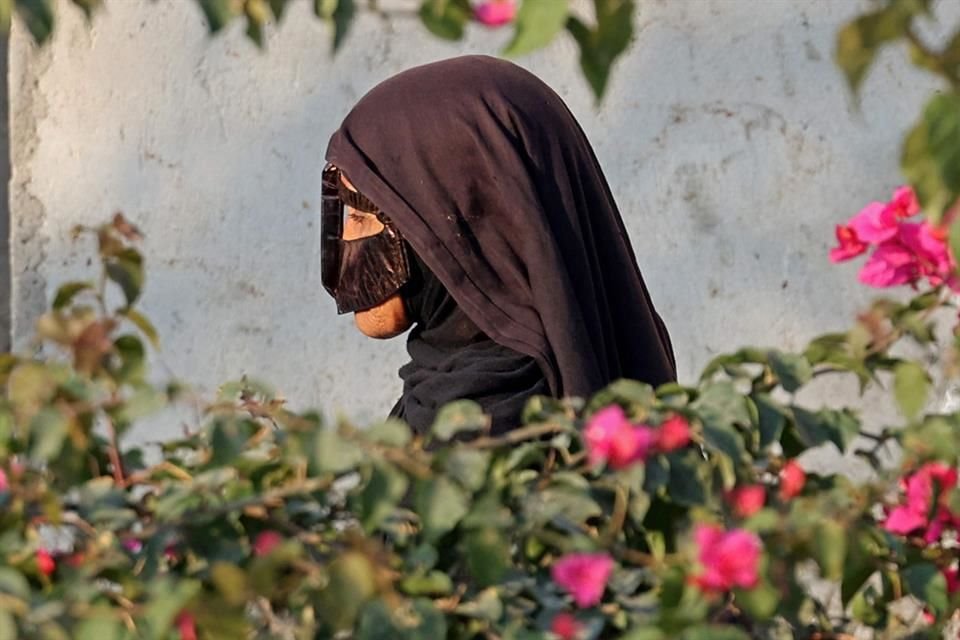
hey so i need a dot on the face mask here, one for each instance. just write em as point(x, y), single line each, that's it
point(364, 272)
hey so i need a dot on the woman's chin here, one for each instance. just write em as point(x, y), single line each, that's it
point(387, 320)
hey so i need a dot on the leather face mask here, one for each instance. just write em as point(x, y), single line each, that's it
point(364, 272)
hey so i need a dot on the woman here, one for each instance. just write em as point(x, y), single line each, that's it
point(476, 212)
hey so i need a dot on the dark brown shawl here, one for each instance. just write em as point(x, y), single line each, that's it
point(493, 183)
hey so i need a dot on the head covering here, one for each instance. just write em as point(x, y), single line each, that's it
point(490, 179)
point(451, 358)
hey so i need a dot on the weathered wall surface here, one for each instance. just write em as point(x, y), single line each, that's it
point(728, 137)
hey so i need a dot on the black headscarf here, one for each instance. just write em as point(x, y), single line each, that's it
point(493, 183)
point(451, 358)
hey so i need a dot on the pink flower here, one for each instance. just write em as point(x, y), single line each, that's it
point(495, 13)
point(186, 625)
point(875, 223)
point(850, 246)
point(890, 265)
point(133, 545)
point(584, 576)
point(747, 500)
point(904, 203)
point(673, 434)
point(792, 480)
point(4, 483)
point(929, 246)
point(611, 438)
point(266, 542)
point(45, 562)
point(729, 559)
point(915, 515)
point(952, 574)
point(565, 626)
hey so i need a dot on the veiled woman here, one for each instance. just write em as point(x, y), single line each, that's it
point(462, 199)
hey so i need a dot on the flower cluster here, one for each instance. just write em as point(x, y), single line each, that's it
point(904, 251)
point(924, 510)
point(728, 559)
point(613, 439)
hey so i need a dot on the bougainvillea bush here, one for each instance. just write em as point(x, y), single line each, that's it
point(683, 511)
point(641, 513)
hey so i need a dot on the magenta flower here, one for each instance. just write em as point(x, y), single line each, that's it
point(914, 516)
point(266, 542)
point(849, 245)
point(875, 223)
point(610, 437)
point(673, 434)
point(584, 576)
point(565, 626)
point(952, 574)
point(495, 13)
point(904, 203)
point(4, 482)
point(186, 626)
point(133, 545)
point(45, 562)
point(890, 265)
point(747, 500)
point(792, 480)
point(728, 558)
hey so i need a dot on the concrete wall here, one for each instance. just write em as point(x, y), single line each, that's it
point(728, 137)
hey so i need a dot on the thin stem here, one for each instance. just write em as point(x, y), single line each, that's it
point(517, 435)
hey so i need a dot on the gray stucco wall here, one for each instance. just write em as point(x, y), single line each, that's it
point(727, 135)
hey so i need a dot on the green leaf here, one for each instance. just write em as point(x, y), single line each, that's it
point(714, 632)
point(931, 156)
point(351, 583)
point(721, 404)
point(8, 626)
point(602, 45)
point(859, 41)
point(688, 486)
point(446, 18)
point(468, 467)
point(217, 12)
point(231, 581)
point(380, 496)
point(869, 607)
point(927, 583)
point(724, 439)
point(125, 268)
point(792, 370)
point(826, 425)
point(38, 16)
point(488, 555)
point(331, 453)
point(486, 606)
point(911, 384)
point(141, 322)
point(573, 505)
point(830, 549)
point(459, 416)
point(14, 583)
point(167, 599)
point(772, 418)
point(760, 602)
point(391, 431)
point(68, 291)
point(537, 23)
point(48, 431)
point(434, 583)
point(132, 359)
point(441, 505)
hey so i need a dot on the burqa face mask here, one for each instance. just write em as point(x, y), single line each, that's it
point(364, 272)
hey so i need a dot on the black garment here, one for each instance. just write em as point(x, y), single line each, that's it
point(490, 179)
point(451, 358)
